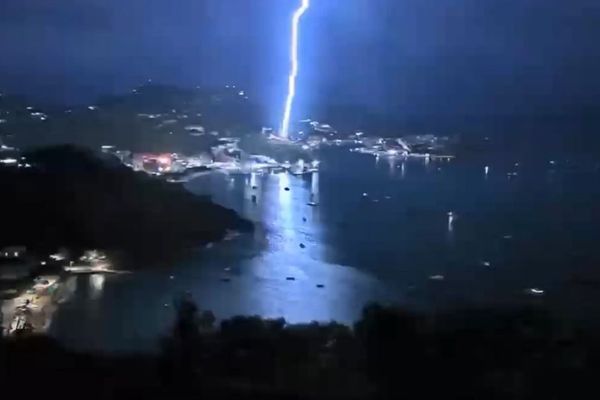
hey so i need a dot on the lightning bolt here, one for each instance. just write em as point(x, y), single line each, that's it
point(285, 124)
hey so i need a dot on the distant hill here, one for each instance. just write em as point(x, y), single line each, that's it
point(150, 118)
point(154, 118)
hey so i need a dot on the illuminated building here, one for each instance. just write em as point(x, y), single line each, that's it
point(152, 163)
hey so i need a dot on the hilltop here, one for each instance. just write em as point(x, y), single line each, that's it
point(149, 118)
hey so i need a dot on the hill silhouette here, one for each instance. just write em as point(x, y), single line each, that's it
point(150, 118)
point(70, 197)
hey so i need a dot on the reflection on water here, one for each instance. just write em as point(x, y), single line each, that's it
point(96, 282)
point(314, 188)
point(252, 195)
point(284, 270)
point(392, 164)
point(450, 222)
point(283, 210)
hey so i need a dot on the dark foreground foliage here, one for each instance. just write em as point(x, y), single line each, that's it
point(72, 198)
point(389, 353)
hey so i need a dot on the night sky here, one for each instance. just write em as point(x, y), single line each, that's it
point(407, 56)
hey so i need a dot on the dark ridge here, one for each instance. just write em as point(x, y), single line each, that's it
point(72, 198)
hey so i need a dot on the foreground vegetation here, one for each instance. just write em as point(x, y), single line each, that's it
point(389, 353)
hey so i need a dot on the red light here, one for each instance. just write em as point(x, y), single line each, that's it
point(164, 160)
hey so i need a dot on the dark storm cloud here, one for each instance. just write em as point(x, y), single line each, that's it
point(461, 55)
point(64, 14)
point(394, 56)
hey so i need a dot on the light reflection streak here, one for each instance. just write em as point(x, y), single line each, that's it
point(96, 282)
point(285, 209)
point(392, 165)
point(314, 188)
point(451, 219)
point(252, 196)
point(284, 220)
